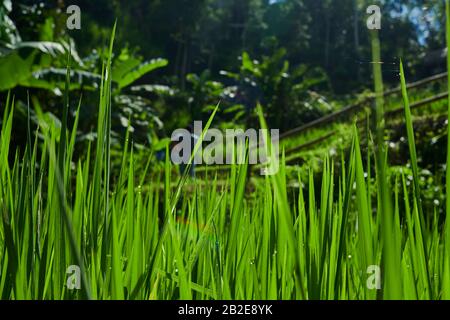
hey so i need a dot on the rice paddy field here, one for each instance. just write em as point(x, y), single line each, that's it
point(353, 221)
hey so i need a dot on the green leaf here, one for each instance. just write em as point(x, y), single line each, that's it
point(132, 72)
point(14, 70)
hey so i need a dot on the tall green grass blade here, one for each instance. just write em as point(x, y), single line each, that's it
point(419, 220)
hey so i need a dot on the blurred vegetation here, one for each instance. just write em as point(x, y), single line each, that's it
point(176, 59)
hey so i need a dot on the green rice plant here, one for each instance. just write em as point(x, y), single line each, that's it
point(138, 235)
point(419, 227)
point(389, 228)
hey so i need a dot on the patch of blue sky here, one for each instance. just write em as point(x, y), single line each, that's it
point(424, 19)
